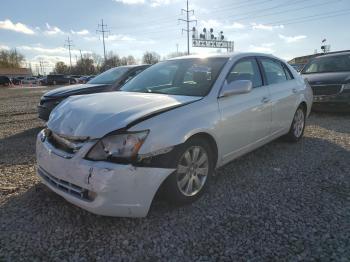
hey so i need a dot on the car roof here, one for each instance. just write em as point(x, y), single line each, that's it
point(333, 54)
point(227, 55)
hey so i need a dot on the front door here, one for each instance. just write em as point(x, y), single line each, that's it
point(245, 118)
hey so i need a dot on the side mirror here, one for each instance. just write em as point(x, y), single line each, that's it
point(236, 87)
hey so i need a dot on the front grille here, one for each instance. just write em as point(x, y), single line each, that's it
point(326, 90)
point(65, 186)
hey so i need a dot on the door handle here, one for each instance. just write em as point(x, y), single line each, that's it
point(295, 90)
point(265, 100)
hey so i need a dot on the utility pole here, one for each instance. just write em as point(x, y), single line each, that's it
point(102, 28)
point(177, 49)
point(81, 56)
point(69, 44)
point(188, 21)
point(41, 67)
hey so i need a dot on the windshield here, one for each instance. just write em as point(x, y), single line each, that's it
point(188, 77)
point(339, 63)
point(109, 77)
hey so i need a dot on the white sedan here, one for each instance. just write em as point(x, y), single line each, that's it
point(29, 81)
point(168, 129)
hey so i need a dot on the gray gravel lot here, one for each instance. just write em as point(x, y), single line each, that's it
point(281, 202)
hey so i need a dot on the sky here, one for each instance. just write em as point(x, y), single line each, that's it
point(286, 28)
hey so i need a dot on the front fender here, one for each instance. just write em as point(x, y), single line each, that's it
point(174, 127)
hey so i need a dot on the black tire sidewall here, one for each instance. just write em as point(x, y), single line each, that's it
point(170, 189)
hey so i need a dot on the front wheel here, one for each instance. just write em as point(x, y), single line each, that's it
point(194, 167)
point(298, 125)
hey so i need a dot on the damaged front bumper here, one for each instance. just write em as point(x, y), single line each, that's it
point(102, 188)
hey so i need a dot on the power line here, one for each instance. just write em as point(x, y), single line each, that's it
point(257, 11)
point(310, 17)
point(233, 7)
point(188, 21)
point(69, 44)
point(286, 11)
point(104, 32)
point(318, 18)
point(169, 19)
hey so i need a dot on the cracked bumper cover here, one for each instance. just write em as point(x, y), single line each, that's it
point(118, 189)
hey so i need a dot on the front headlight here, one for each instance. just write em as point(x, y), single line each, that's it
point(121, 147)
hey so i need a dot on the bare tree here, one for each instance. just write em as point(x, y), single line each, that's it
point(150, 58)
point(61, 68)
point(131, 60)
point(84, 66)
point(11, 58)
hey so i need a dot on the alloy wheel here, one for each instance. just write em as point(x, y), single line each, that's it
point(192, 170)
point(299, 122)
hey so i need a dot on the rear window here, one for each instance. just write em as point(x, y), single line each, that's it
point(339, 63)
point(274, 71)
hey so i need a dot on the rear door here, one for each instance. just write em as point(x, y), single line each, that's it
point(245, 118)
point(283, 91)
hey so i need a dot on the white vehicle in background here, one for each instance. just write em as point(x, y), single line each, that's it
point(30, 81)
point(170, 127)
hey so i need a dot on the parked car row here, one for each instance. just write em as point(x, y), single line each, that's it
point(167, 128)
point(52, 79)
point(7, 81)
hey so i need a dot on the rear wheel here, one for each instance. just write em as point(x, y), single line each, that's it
point(194, 167)
point(298, 125)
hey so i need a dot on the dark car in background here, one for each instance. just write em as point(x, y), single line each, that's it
point(5, 81)
point(60, 80)
point(108, 81)
point(43, 81)
point(329, 78)
point(17, 80)
point(85, 79)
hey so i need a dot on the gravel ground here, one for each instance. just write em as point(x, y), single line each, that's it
point(281, 202)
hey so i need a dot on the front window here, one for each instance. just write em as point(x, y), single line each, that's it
point(109, 77)
point(187, 77)
point(247, 69)
point(339, 63)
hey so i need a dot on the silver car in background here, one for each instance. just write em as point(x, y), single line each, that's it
point(168, 129)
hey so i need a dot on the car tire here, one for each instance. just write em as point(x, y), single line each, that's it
point(297, 127)
point(194, 167)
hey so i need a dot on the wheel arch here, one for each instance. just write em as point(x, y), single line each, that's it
point(212, 142)
point(304, 106)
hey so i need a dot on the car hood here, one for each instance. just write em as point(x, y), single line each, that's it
point(328, 78)
point(96, 115)
point(76, 90)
